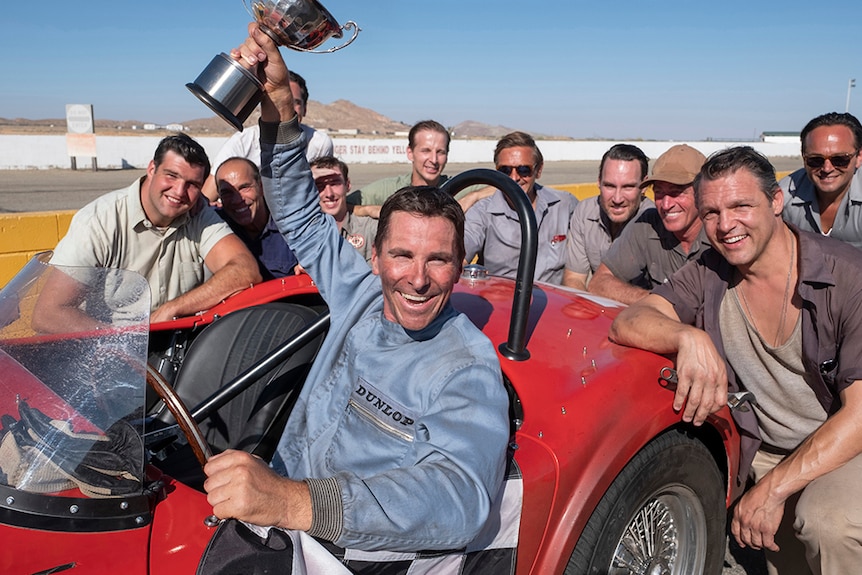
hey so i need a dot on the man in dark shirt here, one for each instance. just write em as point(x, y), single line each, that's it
point(778, 312)
point(245, 211)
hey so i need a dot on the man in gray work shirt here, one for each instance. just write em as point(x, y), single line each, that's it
point(492, 226)
point(660, 241)
point(825, 196)
point(597, 222)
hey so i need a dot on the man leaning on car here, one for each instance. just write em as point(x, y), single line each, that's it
point(778, 312)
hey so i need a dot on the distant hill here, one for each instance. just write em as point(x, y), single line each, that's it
point(339, 115)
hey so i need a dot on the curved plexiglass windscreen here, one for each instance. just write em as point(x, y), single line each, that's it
point(73, 350)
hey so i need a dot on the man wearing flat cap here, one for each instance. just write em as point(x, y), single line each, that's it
point(662, 239)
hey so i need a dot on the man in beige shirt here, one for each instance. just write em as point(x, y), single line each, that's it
point(161, 228)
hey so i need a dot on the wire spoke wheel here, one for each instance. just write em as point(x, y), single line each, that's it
point(662, 537)
point(664, 514)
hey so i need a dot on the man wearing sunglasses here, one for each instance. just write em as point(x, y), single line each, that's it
point(825, 196)
point(492, 226)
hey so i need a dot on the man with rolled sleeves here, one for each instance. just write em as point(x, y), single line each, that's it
point(774, 311)
point(661, 240)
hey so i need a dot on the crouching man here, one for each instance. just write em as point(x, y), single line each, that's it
point(778, 312)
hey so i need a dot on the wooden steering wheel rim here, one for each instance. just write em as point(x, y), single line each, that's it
point(184, 418)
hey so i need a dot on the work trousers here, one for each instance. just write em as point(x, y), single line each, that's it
point(821, 531)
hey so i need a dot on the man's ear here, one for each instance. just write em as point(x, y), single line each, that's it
point(374, 267)
point(778, 202)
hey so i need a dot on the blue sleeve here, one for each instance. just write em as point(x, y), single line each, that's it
point(335, 266)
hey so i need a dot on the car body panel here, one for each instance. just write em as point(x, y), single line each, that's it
point(588, 405)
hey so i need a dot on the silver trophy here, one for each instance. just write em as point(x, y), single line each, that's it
point(232, 91)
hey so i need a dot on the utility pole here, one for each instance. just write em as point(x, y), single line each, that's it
point(850, 85)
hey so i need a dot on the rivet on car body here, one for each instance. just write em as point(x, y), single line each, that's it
point(541, 434)
point(10, 500)
point(211, 521)
point(563, 410)
point(569, 333)
point(73, 509)
point(583, 380)
point(139, 520)
point(124, 505)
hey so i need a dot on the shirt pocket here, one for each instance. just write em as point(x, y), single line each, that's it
point(376, 432)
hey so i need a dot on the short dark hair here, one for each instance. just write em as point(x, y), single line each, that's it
point(185, 147)
point(255, 170)
point(519, 140)
point(430, 125)
point(303, 88)
point(625, 153)
point(834, 119)
point(426, 201)
point(730, 160)
point(332, 163)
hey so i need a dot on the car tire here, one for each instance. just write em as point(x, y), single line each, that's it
point(663, 514)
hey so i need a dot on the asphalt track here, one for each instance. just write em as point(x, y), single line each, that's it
point(48, 190)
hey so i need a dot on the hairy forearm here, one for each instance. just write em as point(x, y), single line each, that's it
point(234, 276)
point(832, 445)
point(609, 286)
point(647, 328)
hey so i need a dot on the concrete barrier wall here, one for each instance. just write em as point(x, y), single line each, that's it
point(21, 152)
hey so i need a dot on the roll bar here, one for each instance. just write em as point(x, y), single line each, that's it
point(516, 346)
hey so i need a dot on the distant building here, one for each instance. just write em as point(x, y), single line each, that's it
point(175, 127)
point(780, 137)
point(150, 126)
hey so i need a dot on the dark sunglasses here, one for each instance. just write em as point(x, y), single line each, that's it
point(523, 171)
point(840, 161)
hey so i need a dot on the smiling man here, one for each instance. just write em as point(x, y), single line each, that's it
point(598, 222)
point(417, 469)
point(427, 151)
point(161, 228)
point(330, 177)
point(826, 195)
point(775, 311)
point(492, 228)
point(661, 240)
point(244, 209)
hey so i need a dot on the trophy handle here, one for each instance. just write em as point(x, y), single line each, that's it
point(350, 24)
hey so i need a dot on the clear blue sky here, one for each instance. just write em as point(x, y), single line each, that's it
point(614, 69)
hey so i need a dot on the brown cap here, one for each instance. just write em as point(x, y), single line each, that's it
point(678, 165)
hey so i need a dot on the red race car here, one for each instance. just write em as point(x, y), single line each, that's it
point(100, 475)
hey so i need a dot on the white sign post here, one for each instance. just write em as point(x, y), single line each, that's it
point(80, 133)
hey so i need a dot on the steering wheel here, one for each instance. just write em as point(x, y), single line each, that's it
point(181, 413)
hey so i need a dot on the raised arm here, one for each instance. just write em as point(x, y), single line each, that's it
point(653, 325)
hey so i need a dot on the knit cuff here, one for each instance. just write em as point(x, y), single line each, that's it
point(327, 510)
point(280, 132)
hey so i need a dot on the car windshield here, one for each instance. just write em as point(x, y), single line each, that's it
point(73, 348)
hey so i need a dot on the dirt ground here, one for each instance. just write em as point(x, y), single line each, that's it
point(47, 190)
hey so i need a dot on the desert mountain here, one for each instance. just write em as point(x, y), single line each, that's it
point(334, 117)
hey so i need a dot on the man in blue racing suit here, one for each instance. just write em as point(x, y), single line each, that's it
point(398, 439)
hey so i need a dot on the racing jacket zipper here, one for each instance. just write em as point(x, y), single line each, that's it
point(386, 428)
